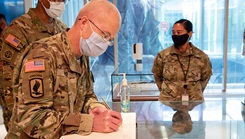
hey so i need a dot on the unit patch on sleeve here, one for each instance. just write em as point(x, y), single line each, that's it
point(36, 87)
point(12, 40)
point(8, 54)
point(35, 65)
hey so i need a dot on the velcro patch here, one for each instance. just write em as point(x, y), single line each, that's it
point(12, 40)
point(8, 54)
point(36, 87)
point(35, 65)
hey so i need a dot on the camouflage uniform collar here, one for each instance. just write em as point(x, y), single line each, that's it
point(190, 51)
point(69, 53)
point(41, 27)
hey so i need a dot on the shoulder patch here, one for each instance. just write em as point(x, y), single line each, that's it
point(35, 65)
point(8, 53)
point(36, 87)
point(12, 40)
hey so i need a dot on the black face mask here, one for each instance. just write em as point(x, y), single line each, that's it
point(179, 39)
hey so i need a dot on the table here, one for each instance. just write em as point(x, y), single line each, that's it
point(219, 118)
point(212, 119)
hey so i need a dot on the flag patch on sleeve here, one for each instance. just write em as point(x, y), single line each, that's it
point(35, 65)
point(12, 40)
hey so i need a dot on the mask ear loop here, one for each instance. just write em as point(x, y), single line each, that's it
point(190, 35)
point(44, 5)
point(89, 25)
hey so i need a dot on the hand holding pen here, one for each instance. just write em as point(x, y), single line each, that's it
point(106, 120)
point(106, 105)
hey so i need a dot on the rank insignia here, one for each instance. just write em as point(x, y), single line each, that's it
point(36, 87)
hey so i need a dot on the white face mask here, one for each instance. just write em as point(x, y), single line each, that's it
point(56, 9)
point(93, 46)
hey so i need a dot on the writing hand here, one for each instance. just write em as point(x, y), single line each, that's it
point(98, 110)
point(107, 121)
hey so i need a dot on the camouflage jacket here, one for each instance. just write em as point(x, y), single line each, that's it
point(20, 33)
point(171, 68)
point(54, 93)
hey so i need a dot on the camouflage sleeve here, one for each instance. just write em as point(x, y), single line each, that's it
point(206, 72)
point(62, 26)
point(12, 42)
point(37, 115)
point(157, 71)
point(91, 100)
point(14, 36)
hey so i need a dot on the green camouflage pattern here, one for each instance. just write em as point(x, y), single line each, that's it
point(56, 100)
point(25, 29)
point(181, 122)
point(182, 105)
point(169, 76)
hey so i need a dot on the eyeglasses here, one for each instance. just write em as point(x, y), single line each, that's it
point(105, 36)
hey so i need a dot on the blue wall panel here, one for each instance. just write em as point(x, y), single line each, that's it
point(12, 8)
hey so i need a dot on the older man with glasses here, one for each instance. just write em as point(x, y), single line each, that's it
point(53, 82)
point(37, 23)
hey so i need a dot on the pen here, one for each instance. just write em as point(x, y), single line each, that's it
point(106, 105)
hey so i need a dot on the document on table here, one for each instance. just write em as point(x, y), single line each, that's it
point(126, 131)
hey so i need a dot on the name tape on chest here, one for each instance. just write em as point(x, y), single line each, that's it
point(35, 65)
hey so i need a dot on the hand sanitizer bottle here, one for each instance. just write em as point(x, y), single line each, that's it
point(125, 95)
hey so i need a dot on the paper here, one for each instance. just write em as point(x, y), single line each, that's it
point(126, 131)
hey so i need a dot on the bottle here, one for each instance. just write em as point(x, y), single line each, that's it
point(125, 95)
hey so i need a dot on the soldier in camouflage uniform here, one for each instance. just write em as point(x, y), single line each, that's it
point(3, 25)
point(181, 122)
point(28, 28)
point(54, 93)
point(181, 71)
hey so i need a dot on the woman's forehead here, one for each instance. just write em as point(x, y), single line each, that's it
point(178, 26)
